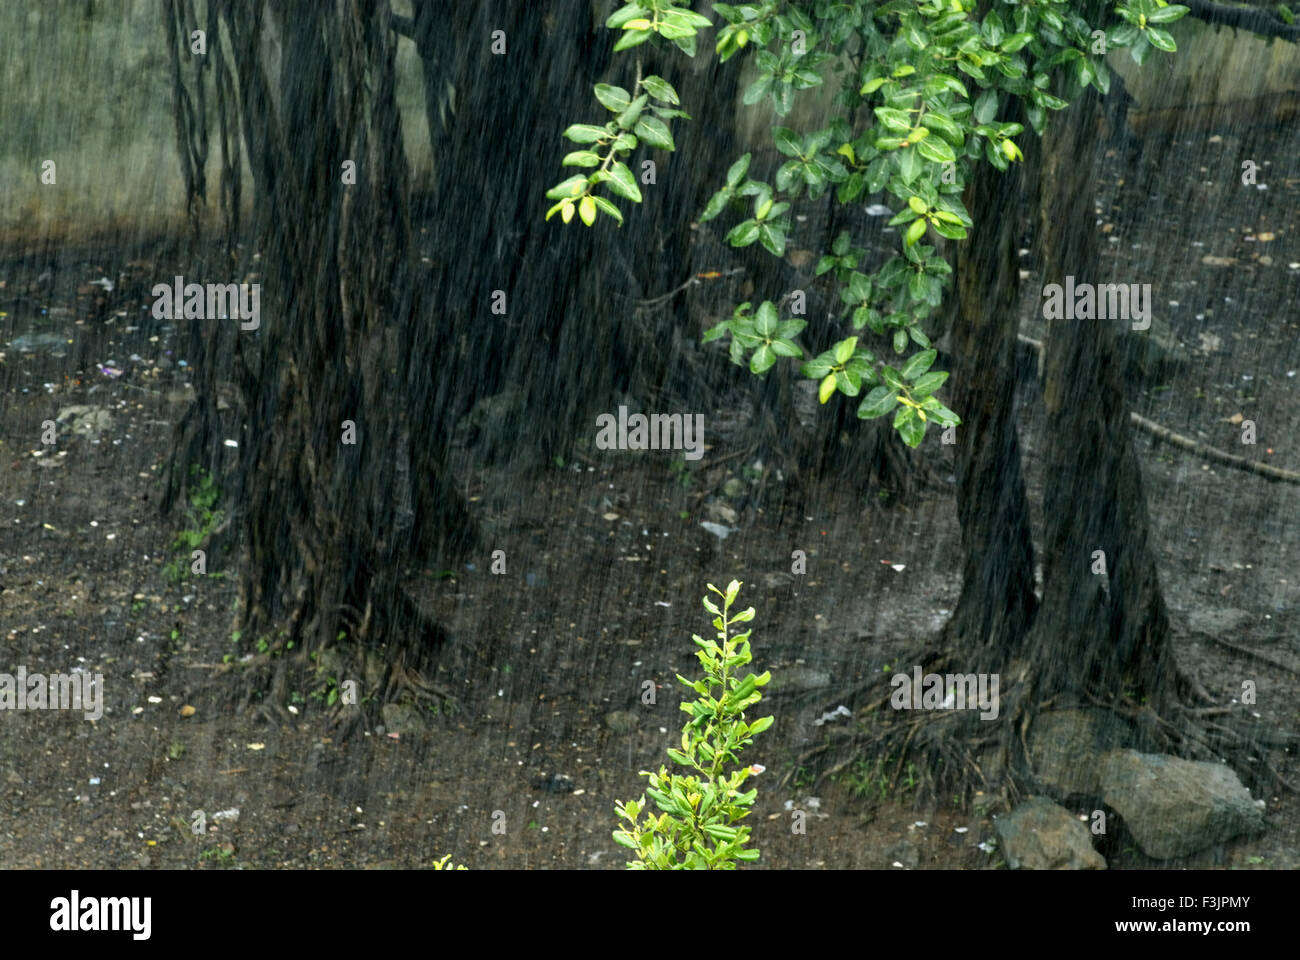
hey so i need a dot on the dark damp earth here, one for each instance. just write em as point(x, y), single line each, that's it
point(607, 562)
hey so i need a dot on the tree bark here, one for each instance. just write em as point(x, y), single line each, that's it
point(997, 601)
point(1104, 635)
point(347, 347)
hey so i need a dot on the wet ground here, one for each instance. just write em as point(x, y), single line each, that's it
point(608, 562)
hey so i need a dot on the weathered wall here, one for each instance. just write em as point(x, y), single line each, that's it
point(86, 84)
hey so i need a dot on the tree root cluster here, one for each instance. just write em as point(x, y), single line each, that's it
point(941, 755)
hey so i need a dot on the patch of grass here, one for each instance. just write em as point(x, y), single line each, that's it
point(204, 518)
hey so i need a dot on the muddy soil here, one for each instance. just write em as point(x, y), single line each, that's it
point(608, 562)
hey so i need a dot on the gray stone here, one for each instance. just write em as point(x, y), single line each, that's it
point(1064, 746)
point(1175, 807)
point(620, 721)
point(86, 420)
point(1152, 353)
point(402, 718)
point(1039, 835)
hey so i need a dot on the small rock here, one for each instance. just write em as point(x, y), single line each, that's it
point(1175, 807)
point(1039, 835)
point(402, 718)
point(620, 721)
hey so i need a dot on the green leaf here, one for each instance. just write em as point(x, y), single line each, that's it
point(1012, 44)
point(917, 364)
point(612, 98)
point(585, 133)
point(632, 38)
point(1170, 13)
point(909, 164)
point(910, 427)
point(877, 174)
point(936, 150)
point(716, 331)
point(1161, 39)
point(743, 234)
point(765, 319)
point(736, 172)
point(844, 349)
point(623, 183)
point(898, 121)
point(878, 402)
point(661, 89)
point(787, 141)
point(717, 203)
point(927, 383)
point(786, 348)
point(772, 238)
point(852, 188)
point(818, 367)
point(628, 118)
point(633, 11)
point(916, 231)
point(827, 388)
point(581, 158)
point(655, 132)
point(939, 413)
point(859, 287)
point(607, 207)
point(758, 90)
point(569, 188)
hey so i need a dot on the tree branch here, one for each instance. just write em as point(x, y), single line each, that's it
point(1266, 23)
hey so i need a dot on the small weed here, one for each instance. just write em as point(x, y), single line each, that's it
point(204, 519)
point(176, 750)
point(680, 473)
